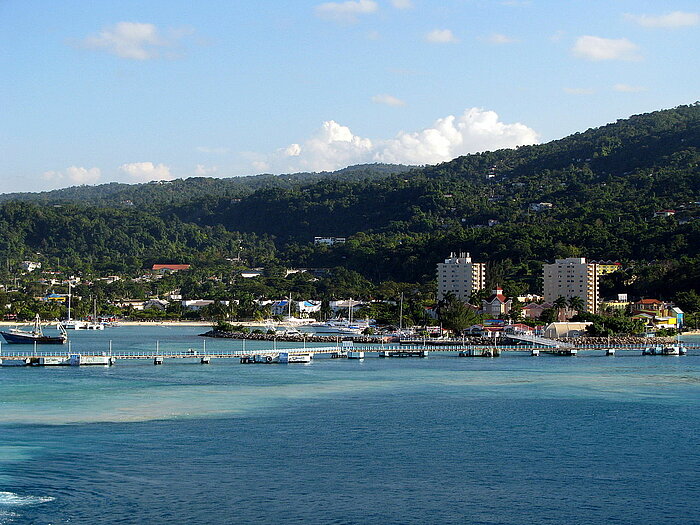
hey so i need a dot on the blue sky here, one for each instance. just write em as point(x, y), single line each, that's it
point(132, 91)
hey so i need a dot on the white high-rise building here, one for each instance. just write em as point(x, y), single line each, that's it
point(461, 276)
point(572, 277)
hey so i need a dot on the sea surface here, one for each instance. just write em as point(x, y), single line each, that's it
point(511, 440)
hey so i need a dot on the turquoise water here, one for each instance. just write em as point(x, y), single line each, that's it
point(440, 440)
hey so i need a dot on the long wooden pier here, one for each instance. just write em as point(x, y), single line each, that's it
point(40, 357)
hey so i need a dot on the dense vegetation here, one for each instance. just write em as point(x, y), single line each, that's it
point(605, 186)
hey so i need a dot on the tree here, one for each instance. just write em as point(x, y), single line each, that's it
point(576, 303)
point(560, 303)
point(688, 301)
point(456, 315)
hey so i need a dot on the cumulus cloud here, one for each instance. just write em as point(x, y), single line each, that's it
point(132, 40)
point(579, 91)
point(146, 171)
point(335, 146)
point(626, 88)
point(596, 48)
point(74, 175)
point(388, 100)
point(671, 20)
point(402, 4)
point(441, 36)
point(346, 11)
point(332, 146)
point(449, 137)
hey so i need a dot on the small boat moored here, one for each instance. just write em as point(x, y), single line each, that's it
point(36, 335)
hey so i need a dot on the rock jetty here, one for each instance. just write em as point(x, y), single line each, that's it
point(291, 338)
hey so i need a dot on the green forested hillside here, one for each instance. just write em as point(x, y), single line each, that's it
point(155, 196)
point(604, 185)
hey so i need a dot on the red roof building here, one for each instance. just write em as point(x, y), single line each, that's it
point(496, 305)
point(170, 267)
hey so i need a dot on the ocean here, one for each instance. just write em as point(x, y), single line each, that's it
point(511, 440)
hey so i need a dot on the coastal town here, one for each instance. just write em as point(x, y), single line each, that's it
point(568, 306)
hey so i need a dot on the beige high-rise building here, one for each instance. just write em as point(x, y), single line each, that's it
point(461, 276)
point(572, 277)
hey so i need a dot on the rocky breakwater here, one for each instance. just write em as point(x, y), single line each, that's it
point(294, 338)
point(618, 341)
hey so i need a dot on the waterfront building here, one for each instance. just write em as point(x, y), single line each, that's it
point(460, 276)
point(565, 329)
point(572, 277)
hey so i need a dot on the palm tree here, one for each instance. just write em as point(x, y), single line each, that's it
point(560, 303)
point(576, 303)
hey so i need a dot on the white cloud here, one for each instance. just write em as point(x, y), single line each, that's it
point(335, 146)
point(293, 150)
point(498, 38)
point(146, 171)
point(475, 130)
point(626, 88)
point(596, 48)
point(346, 11)
point(579, 91)
point(75, 175)
point(332, 146)
point(402, 4)
point(388, 100)
point(670, 20)
point(202, 171)
point(213, 151)
point(132, 40)
point(441, 36)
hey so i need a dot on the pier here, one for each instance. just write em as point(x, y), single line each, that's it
point(40, 357)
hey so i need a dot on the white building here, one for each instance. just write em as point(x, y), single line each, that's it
point(198, 304)
point(329, 241)
point(460, 276)
point(30, 266)
point(572, 277)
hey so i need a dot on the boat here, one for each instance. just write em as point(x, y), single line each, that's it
point(676, 349)
point(36, 335)
point(74, 324)
point(286, 357)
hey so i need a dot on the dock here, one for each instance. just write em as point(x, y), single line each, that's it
point(40, 357)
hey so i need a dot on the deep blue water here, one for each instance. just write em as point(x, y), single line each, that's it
point(512, 440)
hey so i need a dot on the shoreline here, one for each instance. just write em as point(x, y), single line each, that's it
point(254, 324)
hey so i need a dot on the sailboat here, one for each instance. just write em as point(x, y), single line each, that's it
point(69, 323)
point(36, 335)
